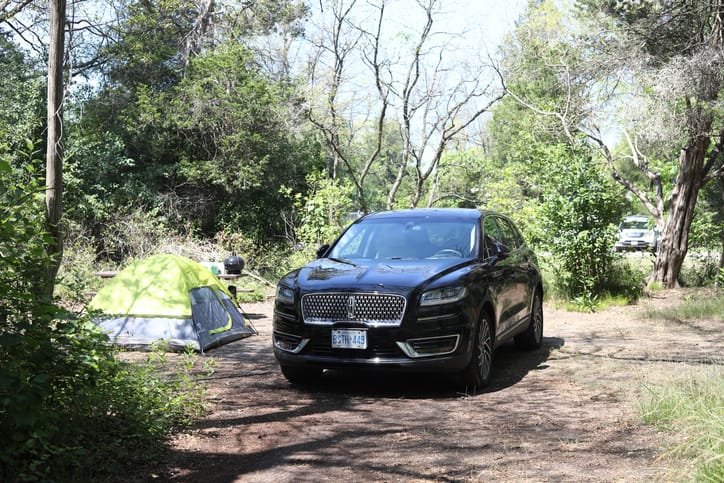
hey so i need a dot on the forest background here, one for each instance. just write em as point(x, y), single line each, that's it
point(261, 128)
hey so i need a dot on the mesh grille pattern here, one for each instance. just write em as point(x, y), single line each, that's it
point(371, 308)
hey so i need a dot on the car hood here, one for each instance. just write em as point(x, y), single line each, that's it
point(392, 275)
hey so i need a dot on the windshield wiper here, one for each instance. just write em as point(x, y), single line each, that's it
point(341, 260)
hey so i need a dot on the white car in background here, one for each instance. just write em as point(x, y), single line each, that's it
point(636, 232)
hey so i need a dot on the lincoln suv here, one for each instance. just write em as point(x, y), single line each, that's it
point(422, 290)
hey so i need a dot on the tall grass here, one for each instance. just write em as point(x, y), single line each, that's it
point(693, 407)
point(692, 404)
point(708, 305)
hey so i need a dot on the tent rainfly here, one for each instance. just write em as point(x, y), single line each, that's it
point(172, 299)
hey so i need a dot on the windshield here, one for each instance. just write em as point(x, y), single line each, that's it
point(407, 239)
point(635, 225)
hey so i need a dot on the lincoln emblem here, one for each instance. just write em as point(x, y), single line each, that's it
point(351, 302)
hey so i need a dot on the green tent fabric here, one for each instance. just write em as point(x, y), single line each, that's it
point(170, 298)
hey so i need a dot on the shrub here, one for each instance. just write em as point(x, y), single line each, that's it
point(699, 270)
point(579, 211)
point(69, 408)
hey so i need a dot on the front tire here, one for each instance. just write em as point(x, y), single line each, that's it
point(532, 338)
point(477, 374)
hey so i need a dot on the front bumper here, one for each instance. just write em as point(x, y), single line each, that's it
point(435, 364)
point(442, 345)
point(634, 245)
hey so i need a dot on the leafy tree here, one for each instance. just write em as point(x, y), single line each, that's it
point(326, 200)
point(563, 199)
point(199, 131)
point(22, 109)
point(659, 62)
point(233, 123)
point(528, 147)
point(669, 57)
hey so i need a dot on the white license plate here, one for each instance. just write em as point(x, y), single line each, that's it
point(349, 339)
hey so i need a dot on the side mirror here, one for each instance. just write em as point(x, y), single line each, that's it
point(503, 251)
point(321, 251)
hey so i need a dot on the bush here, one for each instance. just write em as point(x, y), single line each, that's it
point(69, 408)
point(623, 283)
point(699, 270)
point(75, 276)
point(75, 411)
point(627, 278)
point(579, 211)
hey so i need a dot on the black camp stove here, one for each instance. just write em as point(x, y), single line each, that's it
point(234, 265)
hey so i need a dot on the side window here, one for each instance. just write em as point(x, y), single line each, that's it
point(491, 234)
point(511, 237)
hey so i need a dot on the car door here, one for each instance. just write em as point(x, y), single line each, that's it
point(502, 275)
point(519, 265)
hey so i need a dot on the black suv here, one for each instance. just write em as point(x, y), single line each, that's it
point(424, 290)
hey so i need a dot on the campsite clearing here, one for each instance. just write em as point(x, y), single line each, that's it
point(566, 412)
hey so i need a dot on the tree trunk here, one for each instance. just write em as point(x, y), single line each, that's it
point(720, 278)
point(202, 33)
point(674, 240)
point(54, 152)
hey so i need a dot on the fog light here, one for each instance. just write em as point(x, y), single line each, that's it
point(431, 346)
point(289, 343)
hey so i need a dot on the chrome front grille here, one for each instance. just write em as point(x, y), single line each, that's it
point(370, 308)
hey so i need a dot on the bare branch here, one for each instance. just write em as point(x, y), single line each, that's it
point(560, 116)
point(654, 207)
point(11, 8)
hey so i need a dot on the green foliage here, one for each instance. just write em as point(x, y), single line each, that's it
point(133, 233)
point(700, 269)
point(148, 48)
point(237, 143)
point(579, 213)
point(74, 409)
point(626, 277)
point(707, 227)
point(324, 212)
point(528, 146)
point(201, 149)
point(22, 236)
point(264, 16)
point(75, 276)
point(649, 23)
point(22, 111)
point(98, 177)
point(69, 409)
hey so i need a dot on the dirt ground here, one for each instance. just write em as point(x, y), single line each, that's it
point(566, 412)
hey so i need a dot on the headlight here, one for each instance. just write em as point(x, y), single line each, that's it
point(445, 295)
point(285, 294)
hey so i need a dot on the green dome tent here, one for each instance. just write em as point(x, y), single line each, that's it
point(170, 298)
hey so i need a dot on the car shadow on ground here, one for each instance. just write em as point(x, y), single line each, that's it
point(511, 365)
